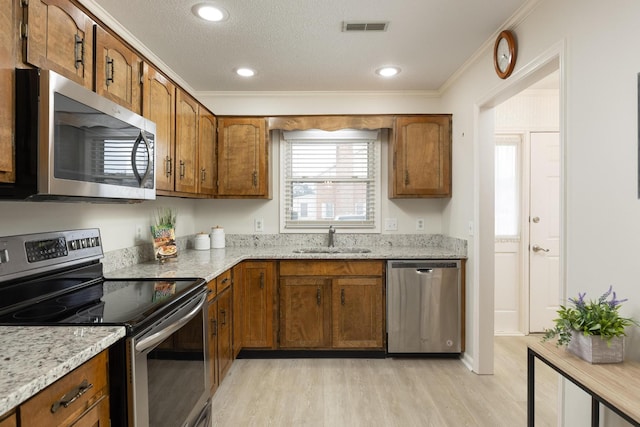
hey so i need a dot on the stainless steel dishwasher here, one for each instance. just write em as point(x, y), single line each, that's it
point(424, 306)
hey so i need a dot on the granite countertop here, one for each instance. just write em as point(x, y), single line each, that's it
point(209, 264)
point(33, 357)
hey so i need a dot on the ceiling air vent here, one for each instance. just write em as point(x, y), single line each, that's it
point(364, 26)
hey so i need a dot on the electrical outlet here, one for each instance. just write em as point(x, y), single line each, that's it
point(391, 224)
point(420, 224)
point(258, 225)
point(138, 231)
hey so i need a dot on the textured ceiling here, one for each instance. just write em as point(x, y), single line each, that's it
point(298, 45)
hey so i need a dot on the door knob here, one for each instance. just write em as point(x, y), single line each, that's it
point(536, 248)
point(536, 219)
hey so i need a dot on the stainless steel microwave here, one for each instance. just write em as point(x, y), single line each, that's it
point(73, 144)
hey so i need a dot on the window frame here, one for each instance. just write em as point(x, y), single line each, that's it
point(322, 225)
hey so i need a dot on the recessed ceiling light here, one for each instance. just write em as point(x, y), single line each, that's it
point(210, 12)
point(245, 72)
point(387, 71)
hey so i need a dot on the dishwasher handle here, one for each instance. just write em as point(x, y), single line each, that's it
point(424, 270)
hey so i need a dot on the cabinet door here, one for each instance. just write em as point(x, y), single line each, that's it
point(10, 421)
point(421, 160)
point(242, 157)
point(60, 38)
point(207, 168)
point(7, 73)
point(305, 312)
point(186, 142)
point(257, 294)
point(212, 311)
point(118, 71)
point(159, 106)
point(96, 416)
point(357, 312)
point(225, 326)
point(237, 290)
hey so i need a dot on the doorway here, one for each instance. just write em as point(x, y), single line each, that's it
point(527, 209)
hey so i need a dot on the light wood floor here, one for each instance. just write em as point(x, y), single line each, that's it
point(385, 392)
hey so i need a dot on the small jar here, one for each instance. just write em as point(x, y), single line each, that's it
point(202, 242)
point(217, 237)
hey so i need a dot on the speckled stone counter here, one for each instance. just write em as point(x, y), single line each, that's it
point(211, 263)
point(33, 357)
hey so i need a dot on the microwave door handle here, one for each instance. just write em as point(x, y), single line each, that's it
point(143, 178)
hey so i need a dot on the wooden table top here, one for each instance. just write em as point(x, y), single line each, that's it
point(617, 383)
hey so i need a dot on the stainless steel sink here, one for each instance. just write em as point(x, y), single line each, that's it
point(332, 251)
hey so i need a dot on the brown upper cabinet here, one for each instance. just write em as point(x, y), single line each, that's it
point(243, 158)
point(187, 112)
point(118, 71)
point(58, 36)
point(7, 74)
point(159, 106)
point(207, 168)
point(420, 156)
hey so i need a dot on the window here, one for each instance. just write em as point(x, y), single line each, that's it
point(507, 186)
point(330, 178)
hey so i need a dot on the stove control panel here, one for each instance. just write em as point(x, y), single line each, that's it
point(27, 254)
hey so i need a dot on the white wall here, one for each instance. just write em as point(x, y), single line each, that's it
point(600, 163)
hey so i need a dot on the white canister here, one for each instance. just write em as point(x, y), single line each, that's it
point(202, 242)
point(217, 237)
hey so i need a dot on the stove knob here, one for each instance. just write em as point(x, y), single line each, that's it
point(73, 245)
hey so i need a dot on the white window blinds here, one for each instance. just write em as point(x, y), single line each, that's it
point(330, 178)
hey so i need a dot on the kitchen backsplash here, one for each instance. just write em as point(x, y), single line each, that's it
point(123, 258)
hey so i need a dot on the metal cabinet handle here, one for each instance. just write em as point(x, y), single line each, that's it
point(406, 177)
point(79, 51)
point(72, 396)
point(224, 317)
point(214, 327)
point(318, 297)
point(342, 296)
point(536, 248)
point(225, 280)
point(261, 280)
point(182, 169)
point(109, 67)
point(168, 166)
point(255, 178)
point(203, 174)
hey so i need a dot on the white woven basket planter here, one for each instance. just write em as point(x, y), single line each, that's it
point(594, 349)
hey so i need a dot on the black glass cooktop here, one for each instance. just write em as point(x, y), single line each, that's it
point(82, 296)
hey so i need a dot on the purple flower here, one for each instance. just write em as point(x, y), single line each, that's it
point(580, 301)
point(615, 302)
point(605, 295)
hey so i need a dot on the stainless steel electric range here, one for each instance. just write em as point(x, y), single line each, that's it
point(158, 372)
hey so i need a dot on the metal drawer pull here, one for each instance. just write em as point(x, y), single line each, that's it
point(72, 396)
point(318, 297)
point(342, 296)
point(261, 280)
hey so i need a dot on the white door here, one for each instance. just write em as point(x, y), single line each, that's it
point(544, 230)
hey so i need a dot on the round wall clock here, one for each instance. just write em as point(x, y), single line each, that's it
point(504, 54)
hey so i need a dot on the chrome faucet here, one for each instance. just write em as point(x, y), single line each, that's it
point(332, 231)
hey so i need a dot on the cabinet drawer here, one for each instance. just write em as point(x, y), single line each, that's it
point(39, 410)
point(224, 281)
point(331, 268)
point(212, 289)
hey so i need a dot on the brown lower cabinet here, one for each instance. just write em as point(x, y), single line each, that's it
point(331, 305)
point(91, 408)
point(220, 329)
point(254, 283)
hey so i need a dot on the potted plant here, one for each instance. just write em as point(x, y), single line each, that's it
point(592, 330)
point(164, 235)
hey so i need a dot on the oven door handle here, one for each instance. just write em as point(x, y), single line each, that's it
point(167, 331)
